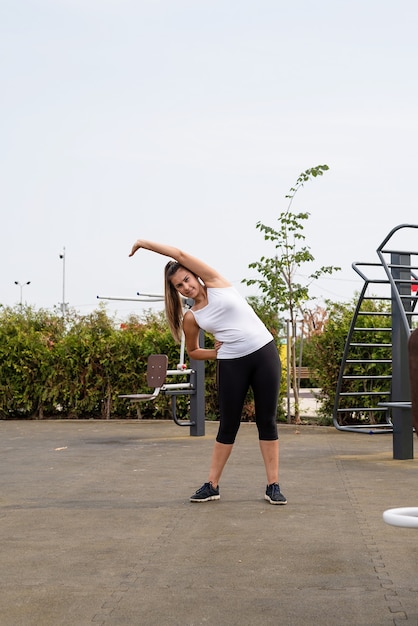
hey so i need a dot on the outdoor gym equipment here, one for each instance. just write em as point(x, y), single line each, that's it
point(194, 386)
point(157, 371)
point(384, 379)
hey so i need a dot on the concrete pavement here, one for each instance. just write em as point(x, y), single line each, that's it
point(96, 528)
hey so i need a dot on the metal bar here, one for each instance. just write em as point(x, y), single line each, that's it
point(377, 313)
point(374, 361)
point(364, 377)
point(375, 429)
point(403, 405)
point(129, 299)
point(393, 231)
point(380, 330)
point(175, 418)
point(362, 409)
point(168, 386)
point(399, 265)
point(378, 298)
point(371, 345)
point(197, 400)
point(347, 394)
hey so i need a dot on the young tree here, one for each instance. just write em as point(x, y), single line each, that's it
point(277, 282)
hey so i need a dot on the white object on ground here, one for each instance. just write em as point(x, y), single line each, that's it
point(406, 517)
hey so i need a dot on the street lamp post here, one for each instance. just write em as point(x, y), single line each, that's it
point(63, 305)
point(21, 285)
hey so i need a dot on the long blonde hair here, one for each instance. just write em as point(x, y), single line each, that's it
point(173, 302)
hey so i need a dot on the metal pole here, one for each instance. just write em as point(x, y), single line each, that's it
point(63, 282)
point(288, 351)
point(197, 400)
point(182, 347)
point(145, 299)
point(403, 443)
point(63, 304)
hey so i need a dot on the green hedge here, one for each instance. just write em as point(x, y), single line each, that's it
point(77, 367)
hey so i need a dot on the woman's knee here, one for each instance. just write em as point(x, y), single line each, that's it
point(267, 431)
point(227, 434)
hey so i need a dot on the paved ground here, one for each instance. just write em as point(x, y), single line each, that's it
point(96, 528)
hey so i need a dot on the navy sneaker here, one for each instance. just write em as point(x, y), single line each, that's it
point(274, 495)
point(205, 493)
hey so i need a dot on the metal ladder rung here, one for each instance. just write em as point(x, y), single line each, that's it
point(408, 297)
point(364, 377)
point(363, 409)
point(347, 394)
point(387, 329)
point(371, 345)
point(405, 267)
point(377, 313)
point(372, 361)
point(386, 282)
point(354, 428)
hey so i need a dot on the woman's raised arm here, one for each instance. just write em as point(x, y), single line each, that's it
point(210, 276)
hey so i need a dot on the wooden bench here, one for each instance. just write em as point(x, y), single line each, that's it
point(304, 372)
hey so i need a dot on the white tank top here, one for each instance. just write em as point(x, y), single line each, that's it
point(230, 318)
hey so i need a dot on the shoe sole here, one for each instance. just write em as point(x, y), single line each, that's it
point(266, 497)
point(205, 499)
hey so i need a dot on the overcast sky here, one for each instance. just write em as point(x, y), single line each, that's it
point(187, 121)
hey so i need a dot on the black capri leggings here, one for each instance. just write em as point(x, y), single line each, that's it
point(259, 371)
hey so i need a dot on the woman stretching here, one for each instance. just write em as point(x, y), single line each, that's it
point(246, 353)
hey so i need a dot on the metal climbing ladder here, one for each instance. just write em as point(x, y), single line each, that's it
point(373, 381)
